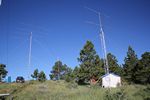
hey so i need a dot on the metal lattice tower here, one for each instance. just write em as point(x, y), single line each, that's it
point(103, 44)
point(102, 38)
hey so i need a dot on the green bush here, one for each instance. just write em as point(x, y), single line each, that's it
point(144, 93)
point(72, 85)
point(119, 95)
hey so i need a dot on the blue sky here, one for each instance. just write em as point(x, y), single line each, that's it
point(59, 31)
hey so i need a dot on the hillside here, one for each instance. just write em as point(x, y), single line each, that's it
point(60, 90)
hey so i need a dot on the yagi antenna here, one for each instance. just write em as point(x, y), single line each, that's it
point(90, 9)
point(102, 38)
point(90, 22)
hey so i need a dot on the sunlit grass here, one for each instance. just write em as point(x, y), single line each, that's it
point(61, 90)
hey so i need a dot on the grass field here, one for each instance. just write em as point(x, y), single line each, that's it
point(61, 90)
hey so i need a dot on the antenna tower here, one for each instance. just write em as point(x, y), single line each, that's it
point(102, 38)
point(30, 48)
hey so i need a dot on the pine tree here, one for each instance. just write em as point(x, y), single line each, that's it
point(129, 67)
point(113, 64)
point(146, 64)
point(143, 69)
point(3, 71)
point(42, 76)
point(35, 74)
point(68, 75)
point(56, 70)
point(76, 71)
point(90, 63)
point(59, 70)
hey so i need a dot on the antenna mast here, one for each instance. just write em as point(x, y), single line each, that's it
point(30, 48)
point(103, 43)
point(102, 38)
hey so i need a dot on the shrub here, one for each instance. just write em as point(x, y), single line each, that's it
point(72, 85)
point(120, 95)
point(144, 93)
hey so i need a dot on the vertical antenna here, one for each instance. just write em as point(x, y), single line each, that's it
point(103, 44)
point(102, 38)
point(58, 69)
point(30, 48)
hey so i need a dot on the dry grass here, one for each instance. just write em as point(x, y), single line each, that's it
point(60, 90)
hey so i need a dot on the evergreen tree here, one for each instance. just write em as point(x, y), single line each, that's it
point(65, 71)
point(90, 63)
point(58, 71)
point(129, 67)
point(42, 76)
point(113, 64)
point(52, 76)
point(68, 75)
point(143, 69)
point(3, 71)
point(76, 72)
point(35, 74)
point(146, 64)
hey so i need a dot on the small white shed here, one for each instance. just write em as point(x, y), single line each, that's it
point(111, 80)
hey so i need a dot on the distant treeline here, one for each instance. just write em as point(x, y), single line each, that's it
point(134, 70)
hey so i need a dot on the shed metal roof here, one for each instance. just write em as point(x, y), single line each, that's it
point(109, 74)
